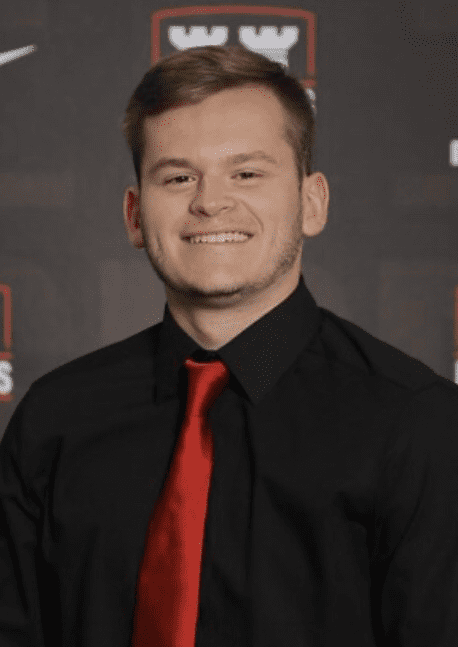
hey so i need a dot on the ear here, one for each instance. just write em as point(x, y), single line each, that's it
point(131, 209)
point(315, 204)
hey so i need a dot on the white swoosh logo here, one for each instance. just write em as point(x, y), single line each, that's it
point(13, 54)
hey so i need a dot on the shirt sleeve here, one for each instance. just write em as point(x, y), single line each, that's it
point(20, 518)
point(415, 568)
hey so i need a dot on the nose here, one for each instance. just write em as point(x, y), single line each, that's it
point(211, 198)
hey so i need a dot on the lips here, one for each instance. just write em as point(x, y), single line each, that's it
point(187, 236)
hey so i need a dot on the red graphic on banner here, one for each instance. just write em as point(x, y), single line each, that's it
point(6, 355)
point(267, 41)
point(455, 326)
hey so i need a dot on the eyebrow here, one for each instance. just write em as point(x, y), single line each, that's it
point(230, 160)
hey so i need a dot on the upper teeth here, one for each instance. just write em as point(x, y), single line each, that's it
point(219, 238)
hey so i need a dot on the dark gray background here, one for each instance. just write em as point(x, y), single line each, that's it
point(386, 99)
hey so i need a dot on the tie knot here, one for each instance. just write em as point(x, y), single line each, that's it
point(206, 380)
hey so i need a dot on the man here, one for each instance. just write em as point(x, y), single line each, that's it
point(332, 503)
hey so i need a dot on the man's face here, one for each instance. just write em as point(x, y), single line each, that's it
point(211, 193)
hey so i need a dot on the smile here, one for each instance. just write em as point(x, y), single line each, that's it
point(219, 239)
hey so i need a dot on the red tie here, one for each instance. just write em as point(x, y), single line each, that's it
point(166, 608)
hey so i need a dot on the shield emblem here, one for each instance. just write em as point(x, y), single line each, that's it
point(283, 34)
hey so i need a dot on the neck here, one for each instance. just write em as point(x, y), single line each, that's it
point(213, 327)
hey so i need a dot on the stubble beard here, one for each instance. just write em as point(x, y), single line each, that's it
point(220, 298)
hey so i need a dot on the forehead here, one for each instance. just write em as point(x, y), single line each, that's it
point(249, 111)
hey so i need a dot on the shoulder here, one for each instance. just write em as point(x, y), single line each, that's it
point(375, 359)
point(125, 360)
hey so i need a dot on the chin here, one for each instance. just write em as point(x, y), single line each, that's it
point(213, 294)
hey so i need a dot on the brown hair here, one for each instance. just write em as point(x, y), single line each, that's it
point(190, 76)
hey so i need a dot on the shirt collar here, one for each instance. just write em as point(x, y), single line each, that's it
point(257, 357)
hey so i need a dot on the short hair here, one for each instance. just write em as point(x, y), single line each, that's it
point(190, 76)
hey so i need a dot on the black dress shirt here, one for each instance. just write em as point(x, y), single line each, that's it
point(333, 509)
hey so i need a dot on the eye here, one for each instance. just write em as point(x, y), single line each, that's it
point(179, 177)
point(172, 181)
point(250, 173)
